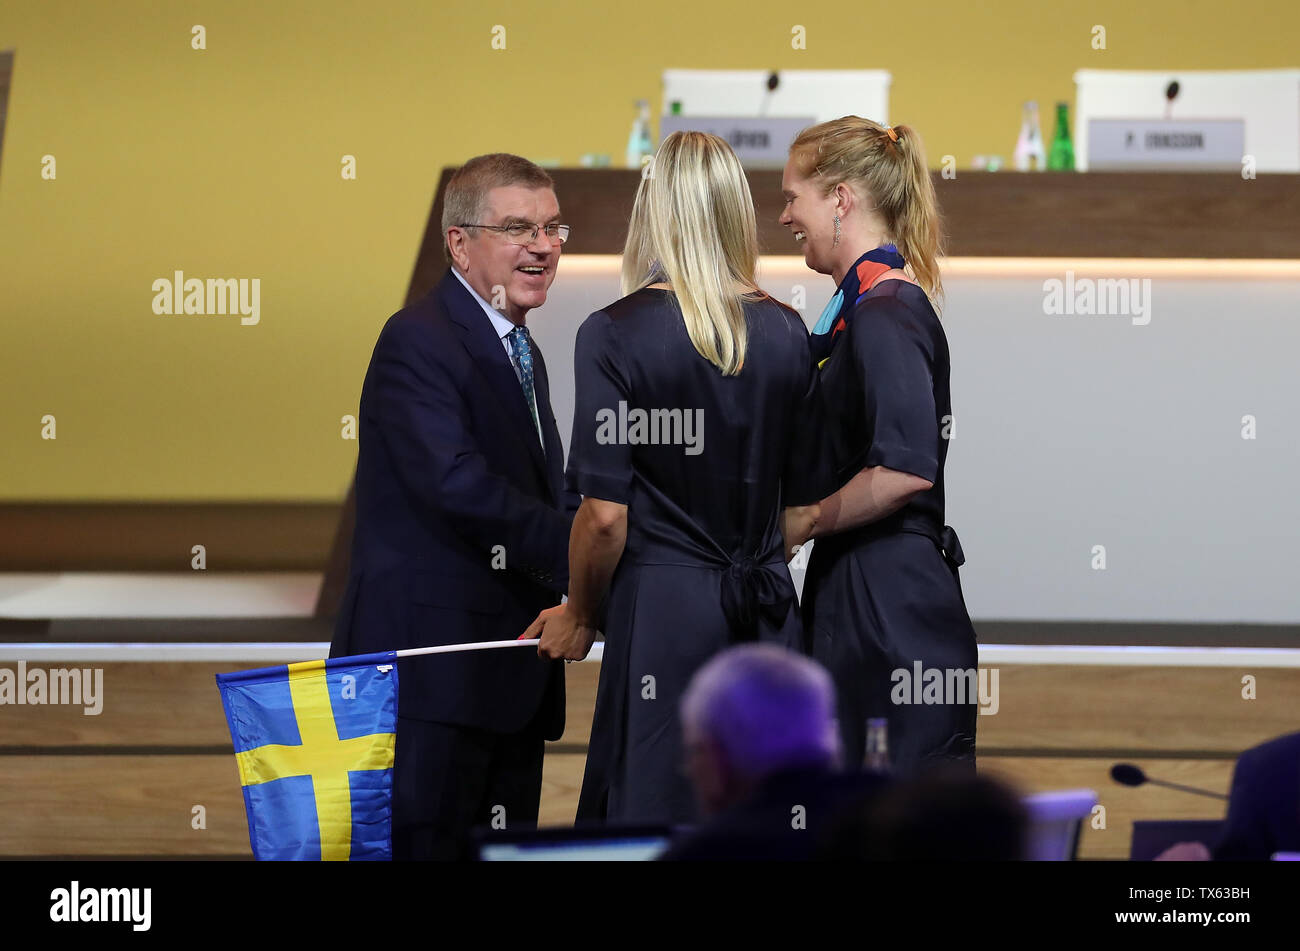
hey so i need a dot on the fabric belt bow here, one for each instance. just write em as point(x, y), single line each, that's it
point(752, 590)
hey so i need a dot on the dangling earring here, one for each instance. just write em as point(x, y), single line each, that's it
point(837, 232)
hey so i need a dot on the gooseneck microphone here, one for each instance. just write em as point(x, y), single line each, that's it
point(773, 83)
point(1171, 93)
point(1127, 774)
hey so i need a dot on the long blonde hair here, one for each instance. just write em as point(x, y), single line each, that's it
point(693, 225)
point(892, 173)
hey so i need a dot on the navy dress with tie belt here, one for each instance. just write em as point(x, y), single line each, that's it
point(703, 565)
point(885, 597)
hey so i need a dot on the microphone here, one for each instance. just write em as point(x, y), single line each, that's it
point(773, 83)
point(1127, 774)
point(1171, 93)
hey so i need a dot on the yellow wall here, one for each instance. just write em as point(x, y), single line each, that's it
point(225, 163)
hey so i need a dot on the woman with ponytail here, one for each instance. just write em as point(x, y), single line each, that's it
point(882, 595)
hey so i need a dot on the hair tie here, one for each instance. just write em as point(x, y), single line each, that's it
point(892, 134)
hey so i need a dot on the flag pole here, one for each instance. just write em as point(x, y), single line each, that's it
point(475, 646)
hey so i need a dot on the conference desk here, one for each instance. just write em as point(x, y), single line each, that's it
point(986, 214)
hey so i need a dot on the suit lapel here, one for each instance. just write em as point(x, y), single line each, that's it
point(490, 358)
point(554, 450)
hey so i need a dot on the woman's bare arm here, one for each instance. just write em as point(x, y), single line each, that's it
point(797, 524)
point(869, 496)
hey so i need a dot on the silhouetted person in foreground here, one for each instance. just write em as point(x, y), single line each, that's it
point(1264, 805)
point(938, 816)
point(762, 752)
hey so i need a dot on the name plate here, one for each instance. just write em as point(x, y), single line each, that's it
point(1166, 144)
point(758, 141)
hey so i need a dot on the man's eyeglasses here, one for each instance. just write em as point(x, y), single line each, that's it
point(522, 233)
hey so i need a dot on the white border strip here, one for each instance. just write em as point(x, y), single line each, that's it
point(991, 655)
point(267, 653)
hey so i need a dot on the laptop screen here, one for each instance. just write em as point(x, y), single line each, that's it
point(557, 846)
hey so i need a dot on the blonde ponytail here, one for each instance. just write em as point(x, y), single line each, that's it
point(888, 166)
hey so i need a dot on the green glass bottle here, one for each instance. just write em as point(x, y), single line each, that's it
point(1061, 156)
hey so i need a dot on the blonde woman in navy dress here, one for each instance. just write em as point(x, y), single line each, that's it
point(881, 592)
point(689, 538)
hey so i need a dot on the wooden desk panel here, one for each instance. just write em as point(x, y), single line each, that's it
point(985, 214)
point(1191, 711)
point(124, 783)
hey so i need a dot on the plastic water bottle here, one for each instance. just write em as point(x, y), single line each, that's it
point(1029, 147)
point(639, 143)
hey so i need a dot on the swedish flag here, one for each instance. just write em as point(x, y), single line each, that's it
point(314, 742)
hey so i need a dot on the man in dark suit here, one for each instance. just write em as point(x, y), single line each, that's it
point(462, 524)
point(1264, 806)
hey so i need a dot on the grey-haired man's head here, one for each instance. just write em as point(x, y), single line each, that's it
point(486, 195)
point(751, 712)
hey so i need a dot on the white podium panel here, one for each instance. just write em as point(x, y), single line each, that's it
point(1079, 427)
point(1267, 100)
point(824, 94)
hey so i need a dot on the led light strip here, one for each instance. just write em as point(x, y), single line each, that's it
point(1219, 269)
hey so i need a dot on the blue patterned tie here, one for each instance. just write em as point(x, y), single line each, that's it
point(524, 354)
